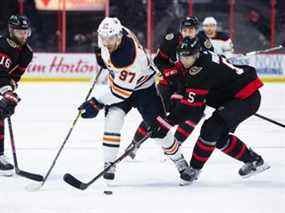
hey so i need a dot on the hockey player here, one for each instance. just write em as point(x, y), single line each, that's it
point(131, 84)
point(166, 54)
point(166, 58)
point(209, 79)
point(15, 55)
point(221, 41)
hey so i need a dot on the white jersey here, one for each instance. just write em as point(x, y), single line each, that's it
point(222, 44)
point(129, 70)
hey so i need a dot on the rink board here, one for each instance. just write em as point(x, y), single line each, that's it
point(82, 67)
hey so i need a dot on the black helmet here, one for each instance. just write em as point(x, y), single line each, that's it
point(19, 22)
point(190, 21)
point(188, 47)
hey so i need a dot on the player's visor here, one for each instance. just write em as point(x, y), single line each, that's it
point(22, 32)
point(186, 53)
point(108, 39)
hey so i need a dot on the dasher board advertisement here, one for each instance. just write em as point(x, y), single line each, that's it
point(71, 5)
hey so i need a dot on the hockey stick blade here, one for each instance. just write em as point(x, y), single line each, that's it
point(71, 180)
point(68, 178)
point(29, 175)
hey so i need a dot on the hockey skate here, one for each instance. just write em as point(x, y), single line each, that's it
point(6, 169)
point(181, 165)
point(110, 174)
point(257, 165)
point(188, 176)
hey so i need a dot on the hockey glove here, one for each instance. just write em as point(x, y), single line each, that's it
point(8, 102)
point(90, 108)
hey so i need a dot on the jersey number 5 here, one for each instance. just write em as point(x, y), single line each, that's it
point(191, 97)
point(127, 76)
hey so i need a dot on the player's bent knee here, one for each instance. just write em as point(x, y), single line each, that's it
point(213, 128)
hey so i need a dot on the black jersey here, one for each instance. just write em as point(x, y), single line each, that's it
point(212, 81)
point(14, 60)
point(166, 55)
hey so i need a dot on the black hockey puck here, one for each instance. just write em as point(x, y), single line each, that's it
point(108, 192)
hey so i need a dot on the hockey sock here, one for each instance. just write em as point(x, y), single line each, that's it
point(235, 148)
point(171, 146)
point(201, 153)
point(184, 130)
point(111, 145)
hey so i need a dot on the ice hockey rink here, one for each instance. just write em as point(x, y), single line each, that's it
point(148, 184)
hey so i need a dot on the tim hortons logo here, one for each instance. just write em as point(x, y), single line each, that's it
point(195, 70)
point(58, 64)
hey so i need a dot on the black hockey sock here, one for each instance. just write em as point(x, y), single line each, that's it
point(235, 148)
point(201, 153)
point(184, 130)
point(2, 137)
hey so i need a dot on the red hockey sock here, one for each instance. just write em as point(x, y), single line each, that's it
point(235, 148)
point(184, 130)
point(201, 153)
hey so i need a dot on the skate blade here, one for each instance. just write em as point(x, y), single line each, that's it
point(257, 171)
point(6, 173)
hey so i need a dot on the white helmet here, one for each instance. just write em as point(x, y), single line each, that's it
point(110, 27)
point(209, 20)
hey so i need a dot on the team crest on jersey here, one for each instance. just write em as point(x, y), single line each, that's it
point(169, 36)
point(208, 44)
point(195, 70)
point(12, 43)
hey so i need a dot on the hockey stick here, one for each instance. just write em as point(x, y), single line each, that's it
point(270, 120)
point(33, 188)
point(71, 180)
point(282, 45)
point(18, 171)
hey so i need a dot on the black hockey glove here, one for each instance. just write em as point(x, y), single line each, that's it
point(90, 108)
point(8, 102)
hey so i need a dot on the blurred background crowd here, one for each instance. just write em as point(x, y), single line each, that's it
point(254, 24)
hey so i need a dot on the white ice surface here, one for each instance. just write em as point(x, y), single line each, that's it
point(145, 185)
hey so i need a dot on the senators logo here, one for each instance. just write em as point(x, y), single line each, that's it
point(208, 44)
point(195, 70)
point(169, 36)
